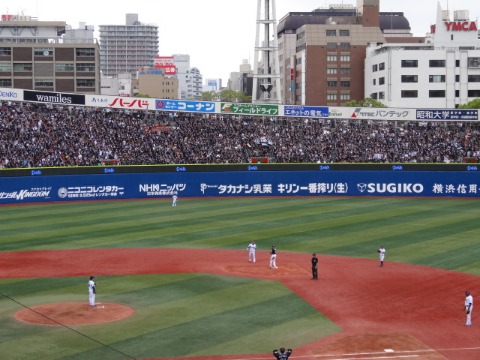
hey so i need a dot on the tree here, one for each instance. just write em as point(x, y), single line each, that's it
point(474, 104)
point(209, 95)
point(367, 102)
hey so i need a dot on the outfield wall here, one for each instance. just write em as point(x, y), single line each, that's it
point(144, 182)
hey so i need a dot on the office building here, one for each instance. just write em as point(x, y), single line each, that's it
point(442, 73)
point(126, 48)
point(322, 52)
point(48, 56)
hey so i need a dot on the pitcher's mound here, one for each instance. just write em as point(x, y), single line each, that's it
point(73, 313)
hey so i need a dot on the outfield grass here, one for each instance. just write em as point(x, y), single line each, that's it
point(199, 314)
point(431, 232)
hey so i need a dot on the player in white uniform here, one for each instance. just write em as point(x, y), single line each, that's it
point(381, 254)
point(174, 199)
point(468, 307)
point(273, 258)
point(251, 251)
point(91, 291)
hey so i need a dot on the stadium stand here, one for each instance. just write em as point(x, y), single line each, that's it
point(35, 135)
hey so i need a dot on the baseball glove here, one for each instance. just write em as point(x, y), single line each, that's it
point(467, 312)
point(378, 250)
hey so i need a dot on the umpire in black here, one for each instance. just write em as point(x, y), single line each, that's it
point(314, 267)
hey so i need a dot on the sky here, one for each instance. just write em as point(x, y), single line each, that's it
point(217, 34)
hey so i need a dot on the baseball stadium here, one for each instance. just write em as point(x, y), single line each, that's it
point(175, 282)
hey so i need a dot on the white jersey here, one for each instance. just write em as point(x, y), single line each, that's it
point(91, 285)
point(469, 301)
point(252, 247)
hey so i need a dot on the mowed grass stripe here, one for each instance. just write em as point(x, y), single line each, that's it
point(294, 333)
point(166, 304)
point(405, 227)
point(337, 226)
point(191, 336)
point(123, 227)
point(121, 222)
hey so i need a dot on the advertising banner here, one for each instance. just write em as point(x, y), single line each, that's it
point(111, 186)
point(11, 94)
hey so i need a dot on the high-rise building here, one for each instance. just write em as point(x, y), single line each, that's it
point(242, 80)
point(322, 53)
point(189, 78)
point(126, 48)
point(48, 56)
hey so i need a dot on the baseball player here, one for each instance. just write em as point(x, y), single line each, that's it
point(282, 354)
point(381, 254)
point(174, 199)
point(468, 307)
point(273, 258)
point(251, 251)
point(91, 291)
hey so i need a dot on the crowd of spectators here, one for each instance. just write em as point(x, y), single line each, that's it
point(37, 135)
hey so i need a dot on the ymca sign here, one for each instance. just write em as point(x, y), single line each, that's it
point(461, 25)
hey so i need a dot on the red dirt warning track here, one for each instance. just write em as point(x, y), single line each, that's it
point(416, 312)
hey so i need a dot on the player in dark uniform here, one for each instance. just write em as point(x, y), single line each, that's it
point(314, 267)
point(282, 354)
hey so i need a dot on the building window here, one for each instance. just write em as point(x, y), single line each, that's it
point(473, 62)
point(86, 67)
point(375, 68)
point(5, 67)
point(331, 71)
point(436, 63)
point(409, 93)
point(373, 96)
point(344, 96)
point(381, 66)
point(409, 63)
point(43, 83)
point(344, 32)
point(85, 82)
point(473, 78)
point(436, 93)
point(344, 57)
point(457, 63)
point(331, 32)
point(457, 78)
point(331, 83)
point(331, 96)
point(374, 81)
point(381, 81)
point(345, 71)
point(5, 51)
point(22, 67)
point(331, 57)
point(474, 93)
point(436, 78)
point(457, 93)
point(43, 52)
point(331, 45)
point(409, 78)
point(344, 45)
point(344, 83)
point(6, 82)
point(64, 67)
point(381, 95)
point(85, 52)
